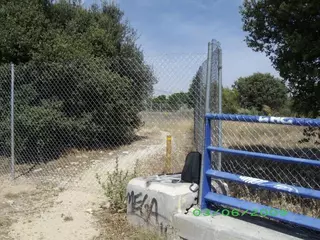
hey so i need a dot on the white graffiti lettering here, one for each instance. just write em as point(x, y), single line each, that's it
point(285, 187)
point(251, 180)
point(282, 120)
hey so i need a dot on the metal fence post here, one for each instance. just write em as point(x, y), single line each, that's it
point(12, 123)
point(208, 78)
point(207, 109)
point(220, 106)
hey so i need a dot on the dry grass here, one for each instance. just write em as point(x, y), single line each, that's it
point(116, 227)
point(271, 135)
point(27, 203)
point(252, 137)
point(272, 139)
point(265, 138)
point(180, 127)
point(112, 221)
point(276, 200)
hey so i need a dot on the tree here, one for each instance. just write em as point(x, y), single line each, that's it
point(160, 99)
point(176, 100)
point(230, 98)
point(159, 103)
point(80, 78)
point(197, 90)
point(259, 89)
point(288, 33)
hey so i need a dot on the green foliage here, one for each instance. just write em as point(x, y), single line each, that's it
point(43, 31)
point(171, 103)
point(286, 110)
point(286, 31)
point(259, 89)
point(248, 111)
point(267, 111)
point(246, 96)
point(160, 99)
point(40, 133)
point(176, 100)
point(80, 80)
point(230, 103)
point(115, 187)
point(197, 91)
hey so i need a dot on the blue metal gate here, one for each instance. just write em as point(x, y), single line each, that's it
point(207, 196)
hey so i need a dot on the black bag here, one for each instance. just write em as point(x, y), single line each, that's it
point(192, 167)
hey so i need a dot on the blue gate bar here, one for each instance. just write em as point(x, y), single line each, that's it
point(261, 210)
point(206, 195)
point(206, 180)
point(274, 186)
point(266, 156)
point(307, 122)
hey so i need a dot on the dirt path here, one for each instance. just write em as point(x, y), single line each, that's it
point(70, 214)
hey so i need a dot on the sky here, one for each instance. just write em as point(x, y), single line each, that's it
point(174, 36)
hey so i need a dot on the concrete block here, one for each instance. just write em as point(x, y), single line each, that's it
point(219, 227)
point(153, 201)
point(160, 203)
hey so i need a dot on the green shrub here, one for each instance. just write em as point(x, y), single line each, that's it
point(245, 111)
point(76, 105)
point(82, 87)
point(230, 101)
point(115, 187)
point(261, 89)
point(143, 234)
point(266, 110)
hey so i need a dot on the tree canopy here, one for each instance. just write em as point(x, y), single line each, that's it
point(259, 89)
point(80, 79)
point(176, 100)
point(44, 31)
point(230, 101)
point(255, 94)
point(288, 33)
point(172, 102)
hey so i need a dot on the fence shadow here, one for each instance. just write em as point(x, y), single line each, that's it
point(27, 171)
point(35, 158)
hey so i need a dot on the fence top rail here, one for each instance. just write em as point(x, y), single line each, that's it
point(307, 122)
point(265, 156)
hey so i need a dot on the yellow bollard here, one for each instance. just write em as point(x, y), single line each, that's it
point(168, 163)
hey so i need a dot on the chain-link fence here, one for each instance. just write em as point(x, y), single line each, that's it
point(72, 114)
point(281, 140)
point(213, 74)
point(75, 118)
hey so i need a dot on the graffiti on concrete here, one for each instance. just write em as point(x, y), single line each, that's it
point(146, 207)
point(141, 205)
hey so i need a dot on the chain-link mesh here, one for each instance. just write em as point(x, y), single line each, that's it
point(73, 119)
point(281, 140)
point(5, 153)
point(272, 139)
point(215, 100)
point(263, 138)
point(199, 86)
point(71, 115)
point(200, 82)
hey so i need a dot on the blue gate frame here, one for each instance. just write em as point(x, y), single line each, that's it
point(207, 196)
